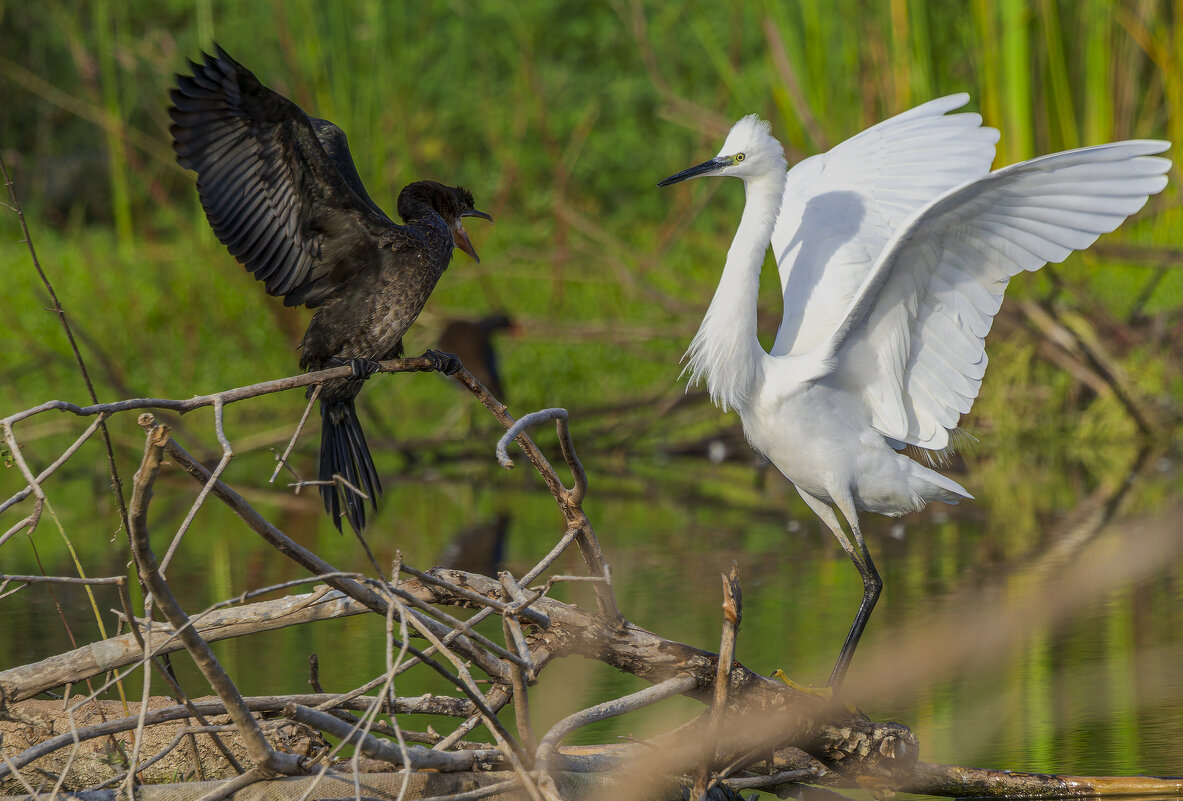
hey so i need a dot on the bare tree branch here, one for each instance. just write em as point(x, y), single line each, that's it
point(732, 613)
point(569, 500)
point(414, 756)
point(955, 780)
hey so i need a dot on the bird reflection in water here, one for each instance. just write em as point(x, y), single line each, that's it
point(478, 549)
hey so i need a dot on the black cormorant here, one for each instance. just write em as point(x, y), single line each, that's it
point(281, 192)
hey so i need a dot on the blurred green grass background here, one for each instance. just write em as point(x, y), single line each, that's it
point(560, 117)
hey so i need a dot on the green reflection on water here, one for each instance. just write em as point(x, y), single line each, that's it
point(1094, 689)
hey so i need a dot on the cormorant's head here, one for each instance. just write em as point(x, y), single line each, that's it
point(453, 203)
point(749, 152)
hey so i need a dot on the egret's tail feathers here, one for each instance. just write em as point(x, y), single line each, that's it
point(344, 453)
point(939, 488)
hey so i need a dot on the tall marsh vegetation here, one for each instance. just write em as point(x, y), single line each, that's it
point(560, 117)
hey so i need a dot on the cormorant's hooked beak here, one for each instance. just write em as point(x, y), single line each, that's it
point(707, 167)
point(460, 236)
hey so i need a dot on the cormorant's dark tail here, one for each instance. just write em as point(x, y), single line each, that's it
point(344, 453)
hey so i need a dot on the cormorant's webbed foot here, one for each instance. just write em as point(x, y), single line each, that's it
point(362, 368)
point(446, 363)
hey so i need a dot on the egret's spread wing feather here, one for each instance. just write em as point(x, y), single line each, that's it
point(912, 342)
point(841, 208)
point(291, 213)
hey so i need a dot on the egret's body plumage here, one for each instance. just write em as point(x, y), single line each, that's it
point(894, 251)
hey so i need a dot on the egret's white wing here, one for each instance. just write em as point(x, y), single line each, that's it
point(912, 342)
point(840, 208)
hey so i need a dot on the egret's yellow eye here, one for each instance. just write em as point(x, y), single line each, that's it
point(738, 157)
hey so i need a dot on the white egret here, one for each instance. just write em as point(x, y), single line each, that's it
point(894, 250)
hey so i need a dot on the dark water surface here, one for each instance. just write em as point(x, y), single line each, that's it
point(1039, 628)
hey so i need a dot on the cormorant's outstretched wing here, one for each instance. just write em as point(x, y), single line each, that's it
point(293, 214)
point(841, 207)
point(911, 344)
point(335, 143)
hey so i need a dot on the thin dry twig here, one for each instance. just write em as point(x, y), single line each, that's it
point(476, 597)
point(415, 756)
point(49, 471)
point(575, 495)
point(548, 747)
point(116, 483)
point(262, 754)
point(569, 500)
point(412, 705)
point(413, 365)
point(282, 460)
point(227, 455)
point(305, 557)
point(732, 613)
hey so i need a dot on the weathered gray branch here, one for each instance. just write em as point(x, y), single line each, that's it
point(569, 500)
point(960, 782)
point(418, 364)
point(675, 685)
point(416, 756)
point(26, 681)
point(846, 741)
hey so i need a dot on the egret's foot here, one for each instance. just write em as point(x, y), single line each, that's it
point(446, 363)
point(362, 368)
point(825, 693)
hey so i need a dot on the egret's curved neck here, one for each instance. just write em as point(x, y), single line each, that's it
point(726, 350)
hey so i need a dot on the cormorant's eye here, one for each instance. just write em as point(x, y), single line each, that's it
point(738, 157)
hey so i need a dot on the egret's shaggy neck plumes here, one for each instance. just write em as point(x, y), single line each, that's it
point(726, 351)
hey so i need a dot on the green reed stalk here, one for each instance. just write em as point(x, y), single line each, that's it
point(1096, 29)
point(1058, 92)
point(923, 75)
point(106, 30)
point(1017, 79)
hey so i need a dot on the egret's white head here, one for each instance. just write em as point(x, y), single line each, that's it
point(751, 151)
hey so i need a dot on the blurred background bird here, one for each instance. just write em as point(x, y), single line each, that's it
point(894, 250)
point(472, 342)
point(280, 190)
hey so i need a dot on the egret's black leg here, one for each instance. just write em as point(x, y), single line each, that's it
point(446, 363)
point(872, 586)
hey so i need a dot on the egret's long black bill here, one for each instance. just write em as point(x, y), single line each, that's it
point(701, 169)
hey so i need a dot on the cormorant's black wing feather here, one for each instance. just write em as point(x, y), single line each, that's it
point(336, 145)
point(293, 214)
